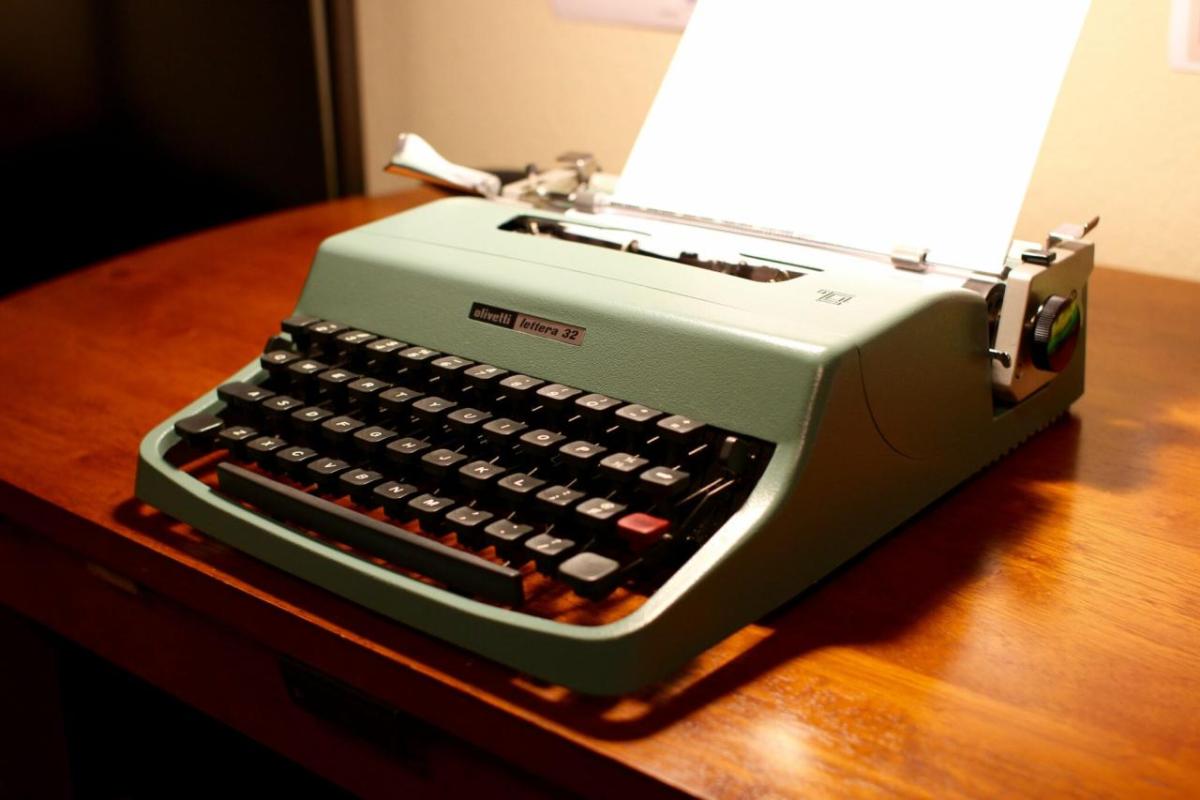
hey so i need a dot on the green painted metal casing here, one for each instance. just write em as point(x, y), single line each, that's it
point(876, 405)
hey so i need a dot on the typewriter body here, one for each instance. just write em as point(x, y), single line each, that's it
point(813, 398)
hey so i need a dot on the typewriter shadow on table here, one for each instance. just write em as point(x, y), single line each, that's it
point(874, 598)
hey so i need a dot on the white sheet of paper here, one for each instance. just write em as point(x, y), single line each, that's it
point(866, 123)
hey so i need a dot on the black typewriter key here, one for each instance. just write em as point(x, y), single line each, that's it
point(296, 326)
point(362, 394)
point(348, 342)
point(406, 451)
point(358, 483)
point(303, 374)
point(324, 471)
point(548, 550)
point(467, 420)
point(377, 354)
point(554, 501)
point(397, 400)
point(276, 410)
point(279, 342)
point(636, 417)
point(556, 396)
point(540, 442)
point(599, 513)
point(478, 476)
point(517, 388)
point(663, 481)
point(199, 430)
point(590, 575)
point(440, 462)
point(332, 382)
point(262, 449)
point(322, 333)
point(448, 367)
point(235, 437)
point(432, 408)
point(516, 488)
point(468, 523)
point(596, 407)
point(393, 496)
point(243, 396)
point(291, 460)
point(372, 439)
point(429, 509)
point(735, 454)
point(681, 430)
point(338, 430)
point(502, 431)
point(506, 536)
point(413, 361)
point(483, 375)
point(276, 362)
point(307, 421)
point(622, 467)
point(581, 456)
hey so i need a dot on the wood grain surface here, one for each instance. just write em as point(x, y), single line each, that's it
point(1036, 632)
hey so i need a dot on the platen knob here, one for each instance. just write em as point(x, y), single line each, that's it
point(1055, 333)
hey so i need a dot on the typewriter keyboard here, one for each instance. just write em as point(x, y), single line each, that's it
point(475, 477)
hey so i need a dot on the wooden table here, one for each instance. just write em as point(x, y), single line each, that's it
point(1037, 632)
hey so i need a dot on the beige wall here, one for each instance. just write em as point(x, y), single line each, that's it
point(503, 82)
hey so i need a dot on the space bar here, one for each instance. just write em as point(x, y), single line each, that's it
point(459, 570)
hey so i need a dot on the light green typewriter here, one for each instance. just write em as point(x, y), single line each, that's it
point(589, 441)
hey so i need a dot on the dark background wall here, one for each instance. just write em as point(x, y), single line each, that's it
point(125, 122)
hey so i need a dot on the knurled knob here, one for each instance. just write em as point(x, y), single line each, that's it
point(1055, 333)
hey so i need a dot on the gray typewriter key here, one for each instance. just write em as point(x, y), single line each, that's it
point(590, 575)
point(541, 442)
